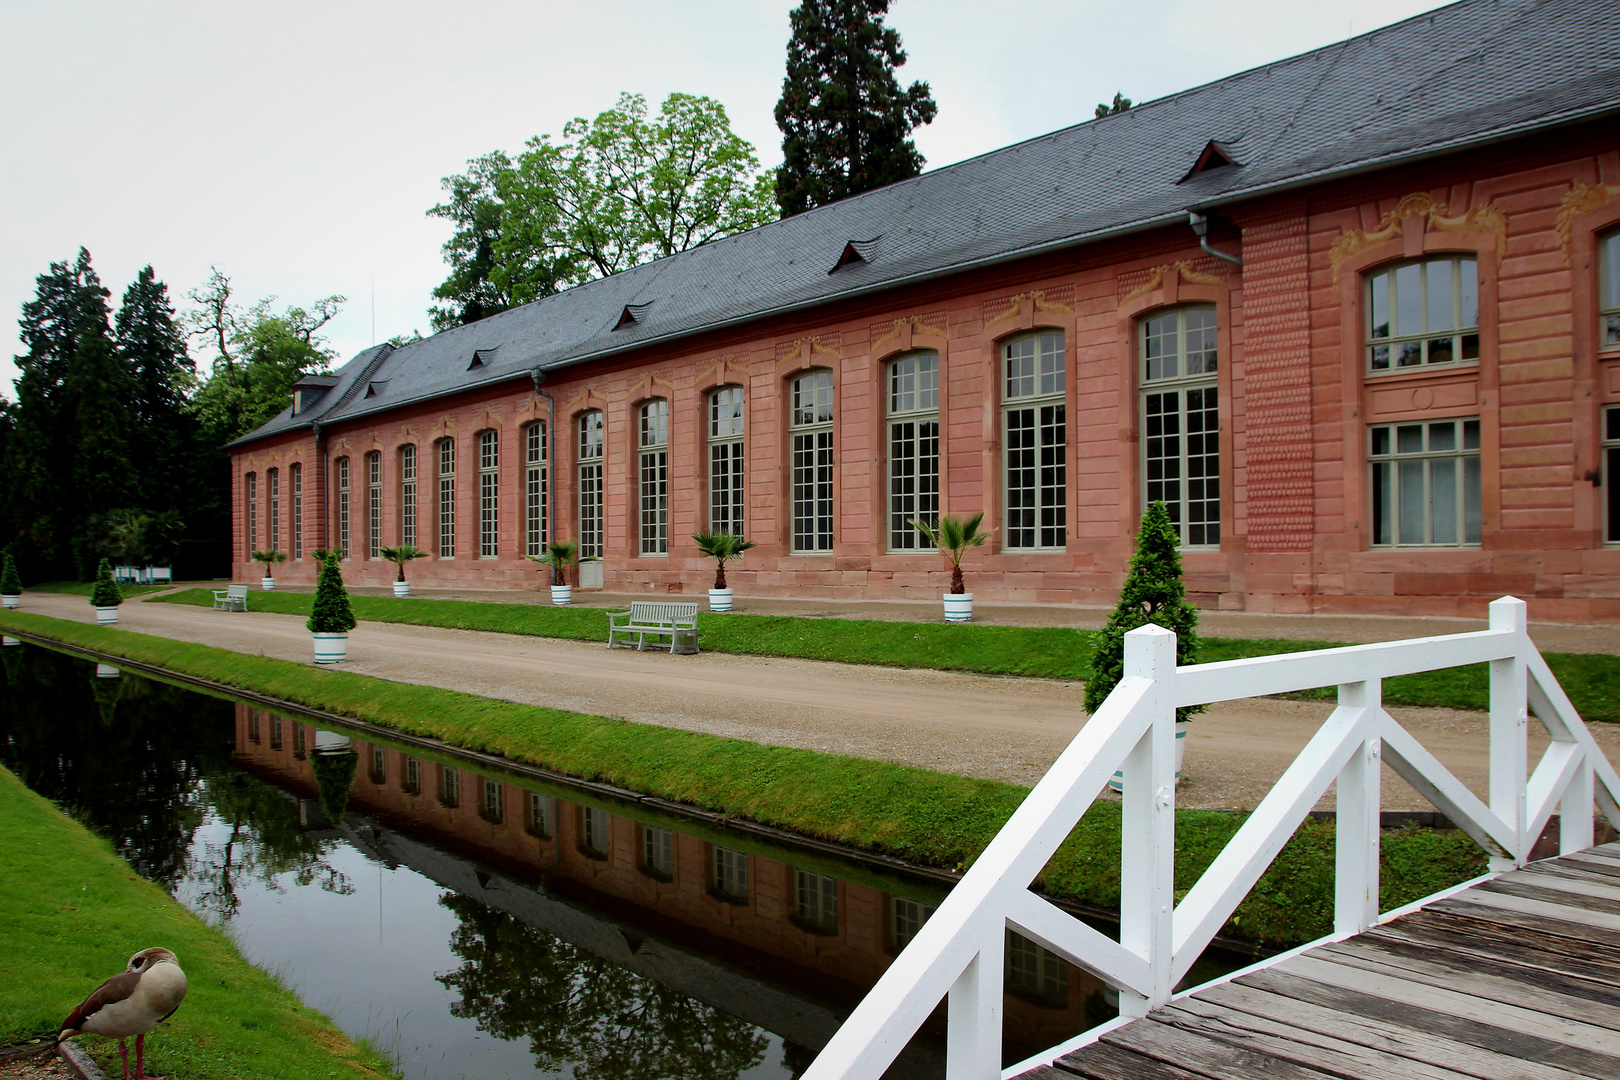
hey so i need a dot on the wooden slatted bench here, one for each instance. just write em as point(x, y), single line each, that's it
point(656, 619)
point(231, 598)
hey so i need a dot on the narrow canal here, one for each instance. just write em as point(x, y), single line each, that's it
point(470, 922)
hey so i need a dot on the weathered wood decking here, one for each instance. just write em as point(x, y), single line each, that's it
point(1514, 979)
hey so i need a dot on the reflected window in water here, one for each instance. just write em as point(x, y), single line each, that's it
point(493, 806)
point(300, 742)
point(413, 776)
point(593, 832)
point(658, 853)
point(379, 765)
point(449, 787)
point(906, 917)
point(275, 733)
point(729, 875)
point(1037, 973)
point(816, 902)
point(542, 816)
point(253, 726)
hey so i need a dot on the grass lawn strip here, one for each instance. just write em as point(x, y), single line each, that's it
point(932, 818)
point(84, 588)
point(74, 912)
point(1592, 680)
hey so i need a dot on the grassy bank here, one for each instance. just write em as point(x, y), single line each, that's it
point(932, 818)
point(1591, 680)
point(74, 912)
point(84, 588)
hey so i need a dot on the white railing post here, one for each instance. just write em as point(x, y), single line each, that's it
point(1148, 825)
point(973, 1011)
point(1358, 798)
point(1575, 831)
point(1510, 731)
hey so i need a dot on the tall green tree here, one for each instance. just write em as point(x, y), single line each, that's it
point(612, 193)
point(1121, 103)
point(845, 120)
point(153, 349)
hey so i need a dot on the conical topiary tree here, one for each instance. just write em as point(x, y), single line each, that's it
point(332, 613)
point(334, 776)
point(10, 580)
point(106, 593)
point(1153, 593)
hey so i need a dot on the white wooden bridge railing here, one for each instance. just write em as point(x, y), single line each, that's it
point(958, 953)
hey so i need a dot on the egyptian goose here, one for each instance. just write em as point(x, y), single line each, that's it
point(132, 1002)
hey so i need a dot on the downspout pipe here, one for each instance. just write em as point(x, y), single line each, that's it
point(539, 376)
point(1200, 225)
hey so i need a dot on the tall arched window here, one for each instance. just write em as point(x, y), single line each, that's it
point(489, 483)
point(535, 483)
point(1181, 462)
point(1611, 473)
point(811, 423)
point(407, 494)
point(1035, 427)
point(296, 495)
point(272, 491)
point(250, 492)
point(447, 497)
point(653, 471)
point(374, 504)
point(913, 447)
point(590, 485)
point(343, 507)
point(1609, 288)
point(726, 460)
point(1420, 314)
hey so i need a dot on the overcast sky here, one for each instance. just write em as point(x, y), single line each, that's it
point(296, 145)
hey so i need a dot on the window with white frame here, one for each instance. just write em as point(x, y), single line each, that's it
point(658, 852)
point(913, 447)
point(250, 492)
point(379, 765)
point(1181, 453)
point(906, 917)
point(728, 875)
point(275, 733)
point(449, 786)
point(255, 718)
point(653, 473)
point(815, 901)
point(447, 498)
point(535, 488)
point(1035, 442)
point(811, 424)
point(343, 507)
point(272, 491)
point(300, 742)
point(1425, 483)
point(492, 807)
point(1609, 288)
point(296, 494)
point(590, 485)
point(374, 504)
point(726, 460)
point(1611, 473)
point(407, 494)
point(413, 776)
point(542, 816)
point(593, 832)
point(1037, 972)
point(1420, 314)
point(489, 482)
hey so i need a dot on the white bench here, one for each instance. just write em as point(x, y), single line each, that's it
point(155, 574)
point(231, 598)
point(656, 619)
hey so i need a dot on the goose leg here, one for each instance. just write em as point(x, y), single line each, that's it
point(123, 1055)
point(140, 1060)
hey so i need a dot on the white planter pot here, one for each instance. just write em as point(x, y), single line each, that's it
point(959, 607)
point(719, 599)
point(10, 601)
point(1118, 782)
point(331, 648)
point(562, 595)
point(402, 588)
point(106, 616)
point(268, 584)
point(10, 641)
point(106, 671)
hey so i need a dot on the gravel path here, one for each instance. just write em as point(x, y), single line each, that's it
point(1003, 728)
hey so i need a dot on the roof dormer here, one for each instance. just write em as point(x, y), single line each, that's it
point(1215, 155)
point(481, 358)
point(856, 251)
point(632, 315)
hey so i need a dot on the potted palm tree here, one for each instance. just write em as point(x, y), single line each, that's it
point(721, 547)
point(105, 597)
point(10, 583)
point(332, 617)
point(399, 556)
point(953, 537)
point(559, 555)
point(269, 559)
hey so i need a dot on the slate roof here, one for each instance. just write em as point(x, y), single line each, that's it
point(1468, 74)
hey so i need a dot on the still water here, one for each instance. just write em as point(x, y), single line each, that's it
point(472, 922)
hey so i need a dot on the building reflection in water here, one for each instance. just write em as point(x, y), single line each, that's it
point(762, 921)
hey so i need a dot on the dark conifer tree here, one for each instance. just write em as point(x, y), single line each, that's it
point(153, 351)
point(844, 118)
point(99, 394)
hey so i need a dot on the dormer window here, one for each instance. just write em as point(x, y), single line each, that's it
point(856, 251)
point(1214, 155)
point(481, 358)
point(631, 315)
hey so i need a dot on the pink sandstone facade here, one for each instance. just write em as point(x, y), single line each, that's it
point(1299, 399)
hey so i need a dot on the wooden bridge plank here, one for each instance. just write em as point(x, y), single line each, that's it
point(1498, 915)
point(1173, 1046)
point(1415, 1043)
point(1595, 962)
point(1584, 895)
point(1514, 983)
point(1591, 921)
point(1597, 867)
point(1100, 1061)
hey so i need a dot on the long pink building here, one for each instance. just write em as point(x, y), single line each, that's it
point(1353, 316)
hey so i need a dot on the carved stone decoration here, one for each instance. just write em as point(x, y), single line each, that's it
point(883, 333)
point(1582, 199)
point(1059, 299)
point(1156, 275)
point(723, 369)
point(1484, 218)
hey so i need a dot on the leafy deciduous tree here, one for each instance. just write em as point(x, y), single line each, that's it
point(1121, 103)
